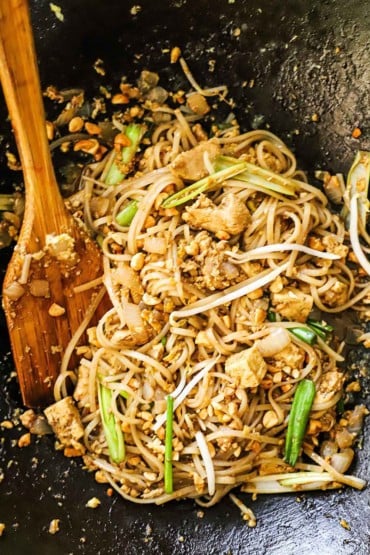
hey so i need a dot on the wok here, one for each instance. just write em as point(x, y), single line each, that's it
point(303, 57)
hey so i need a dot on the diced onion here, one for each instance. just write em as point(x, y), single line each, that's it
point(342, 461)
point(133, 318)
point(14, 291)
point(273, 343)
point(328, 448)
point(155, 245)
point(208, 464)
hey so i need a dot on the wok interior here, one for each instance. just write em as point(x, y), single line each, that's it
point(299, 59)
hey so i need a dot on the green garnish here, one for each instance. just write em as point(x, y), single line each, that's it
point(164, 340)
point(271, 316)
point(168, 470)
point(124, 394)
point(116, 172)
point(262, 179)
point(327, 328)
point(111, 427)
point(127, 214)
point(298, 419)
point(307, 335)
point(206, 184)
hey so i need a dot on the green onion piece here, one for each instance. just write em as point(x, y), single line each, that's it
point(319, 325)
point(358, 184)
point(263, 180)
point(164, 340)
point(321, 333)
point(206, 184)
point(111, 427)
point(7, 203)
point(115, 175)
point(298, 419)
point(127, 214)
point(304, 334)
point(168, 470)
point(124, 394)
point(271, 316)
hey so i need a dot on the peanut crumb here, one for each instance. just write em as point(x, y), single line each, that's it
point(56, 310)
point(54, 526)
point(7, 424)
point(24, 440)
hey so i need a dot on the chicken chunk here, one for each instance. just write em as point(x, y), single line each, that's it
point(231, 216)
point(190, 165)
point(65, 421)
point(248, 367)
point(292, 304)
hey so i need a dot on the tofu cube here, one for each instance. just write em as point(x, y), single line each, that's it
point(248, 367)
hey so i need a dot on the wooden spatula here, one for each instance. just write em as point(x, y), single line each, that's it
point(43, 311)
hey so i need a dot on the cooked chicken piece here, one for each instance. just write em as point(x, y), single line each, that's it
point(231, 216)
point(190, 165)
point(65, 420)
point(292, 304)
point(331, 382)
point(288, 359)
point(248, 367)
point(336, 295)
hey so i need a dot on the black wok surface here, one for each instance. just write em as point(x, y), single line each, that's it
point(304, 58)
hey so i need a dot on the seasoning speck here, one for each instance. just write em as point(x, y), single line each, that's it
point(344, 524)
point(57, 11)
point(356, 133)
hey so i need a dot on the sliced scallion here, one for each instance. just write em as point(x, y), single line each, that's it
point(305, 334)
point(111, 427)
point(264, 180)
point(168, 470)
point(117, 172)
point(208, 183)
point(298, 419)
point(327, 328)
point(127, 214)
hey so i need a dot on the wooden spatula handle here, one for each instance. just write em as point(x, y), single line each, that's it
point(20, 81)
